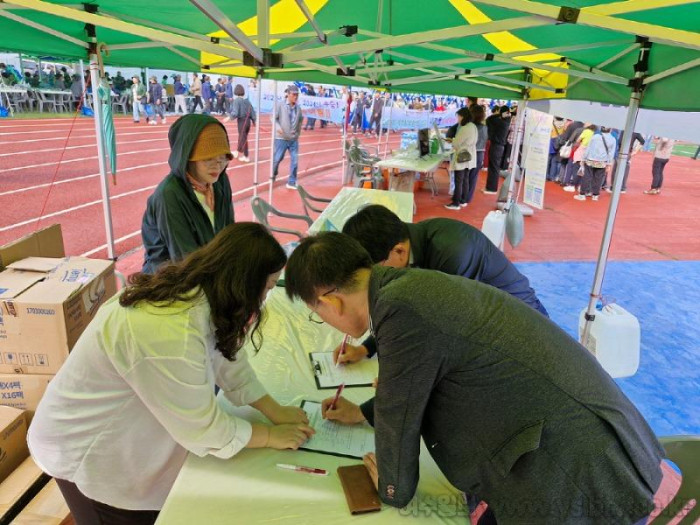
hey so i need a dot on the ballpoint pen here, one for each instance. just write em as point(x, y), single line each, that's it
point(337, 396)
point(307, 470)
point(342, 350)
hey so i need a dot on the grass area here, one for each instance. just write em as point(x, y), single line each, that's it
point(43, 115)
point(685, 150)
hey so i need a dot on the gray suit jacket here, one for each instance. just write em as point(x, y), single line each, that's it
point(510, 406)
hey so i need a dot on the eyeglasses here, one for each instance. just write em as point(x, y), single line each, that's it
point(221, 159)
point(313, 315)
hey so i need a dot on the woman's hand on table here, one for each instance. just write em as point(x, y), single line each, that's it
point(289, 436)
point(284, 415)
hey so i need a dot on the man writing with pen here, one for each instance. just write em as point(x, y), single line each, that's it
point(510, 407)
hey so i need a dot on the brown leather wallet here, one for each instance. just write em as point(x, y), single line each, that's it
point(359, 490)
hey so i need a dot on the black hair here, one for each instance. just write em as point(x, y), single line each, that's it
point(504, 109)
point(465, 116)
point(377, 229)
point(238, 90)
point(231, 271)
point(325, 261)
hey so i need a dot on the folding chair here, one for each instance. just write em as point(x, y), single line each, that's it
point(121, 102)
point(364, 170)
point(261, 210)
point(307, 198)
point(41, 98)
point(684, 451)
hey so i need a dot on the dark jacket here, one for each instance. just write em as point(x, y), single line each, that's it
point(457, 248)
point(241, 108)
point(510, 406)
point(155, 93)
point(175, 223)
point(497, 128)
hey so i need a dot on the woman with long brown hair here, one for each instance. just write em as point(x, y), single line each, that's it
point(137, 391)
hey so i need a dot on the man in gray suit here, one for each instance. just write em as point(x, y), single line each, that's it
point(509, 405)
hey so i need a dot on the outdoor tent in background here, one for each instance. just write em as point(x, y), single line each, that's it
point(630, 53)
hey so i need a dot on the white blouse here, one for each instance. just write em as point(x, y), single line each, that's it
point(465, 139)
point(134, 396)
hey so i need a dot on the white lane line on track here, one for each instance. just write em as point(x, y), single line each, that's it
point(138, 232)
point(118, 170)
point(90, 145)
point(6, 170)
point(118, 196)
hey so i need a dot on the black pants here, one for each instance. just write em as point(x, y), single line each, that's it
point(657, 173)
point(473, 175)
point(86, 511)
point(495, 158)
point(243, 129)
point(197, 102)
point(592, 180)
point(459, 196)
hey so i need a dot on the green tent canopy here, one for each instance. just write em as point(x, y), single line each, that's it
point(488, 48)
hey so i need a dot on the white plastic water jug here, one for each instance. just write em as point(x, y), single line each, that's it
point(494, 227)
point(614, 339)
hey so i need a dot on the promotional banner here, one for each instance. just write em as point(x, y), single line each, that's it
point(416, 119)
point(538, 128)
point(322, 108)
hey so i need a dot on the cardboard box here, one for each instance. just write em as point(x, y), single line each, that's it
point(25, 482)
point(13, 440)
point(23, 391)
point(45, 304)
point(43, 243)
point(48, 508)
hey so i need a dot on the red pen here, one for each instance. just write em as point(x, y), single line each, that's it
point(307, 470)
point(342, 350)
point(337, 396)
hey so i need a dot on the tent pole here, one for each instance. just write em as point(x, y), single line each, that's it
point(344, 139)
point(519, 133)
point(623, 157)
point(257, 139)
point(104, 184)
point(272, 138)
point(388, 129)
point(83, 97)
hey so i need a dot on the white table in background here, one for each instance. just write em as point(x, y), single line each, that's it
point(409, 160)
point(248, 488)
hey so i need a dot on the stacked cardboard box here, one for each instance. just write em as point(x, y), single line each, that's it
point(46, 301)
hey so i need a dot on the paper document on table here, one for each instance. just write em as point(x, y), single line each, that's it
point(330, 376)
point(353, 441)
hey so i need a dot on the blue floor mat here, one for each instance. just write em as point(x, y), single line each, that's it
point(665, 298)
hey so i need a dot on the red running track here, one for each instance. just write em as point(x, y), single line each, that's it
point(662, 227)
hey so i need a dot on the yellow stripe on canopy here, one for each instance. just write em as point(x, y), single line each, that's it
point(285, 17)
point(507, 42)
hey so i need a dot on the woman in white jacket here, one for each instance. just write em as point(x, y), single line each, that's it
point(464, 141)
point(137, 392)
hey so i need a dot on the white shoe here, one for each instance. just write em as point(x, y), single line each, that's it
point(580, 197)
point(488, 192)
point(594, 197)
point(569, 188)
point(164, 121)
point(227, 119)
point(235, 154)
point(153, 123)
point(243, 158)
point(452, 206)
point(463, 205)
point(291, 186)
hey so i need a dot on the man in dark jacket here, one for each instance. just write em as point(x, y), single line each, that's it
point(193, 203)
point(446, 245)
point(510, 406)
point(498, 126)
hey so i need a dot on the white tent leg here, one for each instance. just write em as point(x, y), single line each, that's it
point(623, 156)
point(104, 184)
point(622, 159)
point(519, 132)
point(272, 139)
point(344, 138)
point(257, 139)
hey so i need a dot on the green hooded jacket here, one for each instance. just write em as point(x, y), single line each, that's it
point(175, 224)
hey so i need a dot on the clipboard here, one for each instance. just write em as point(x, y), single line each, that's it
point(327, 376)
point(340, 434)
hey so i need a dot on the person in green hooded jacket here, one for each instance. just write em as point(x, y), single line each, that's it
point(193, 203)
